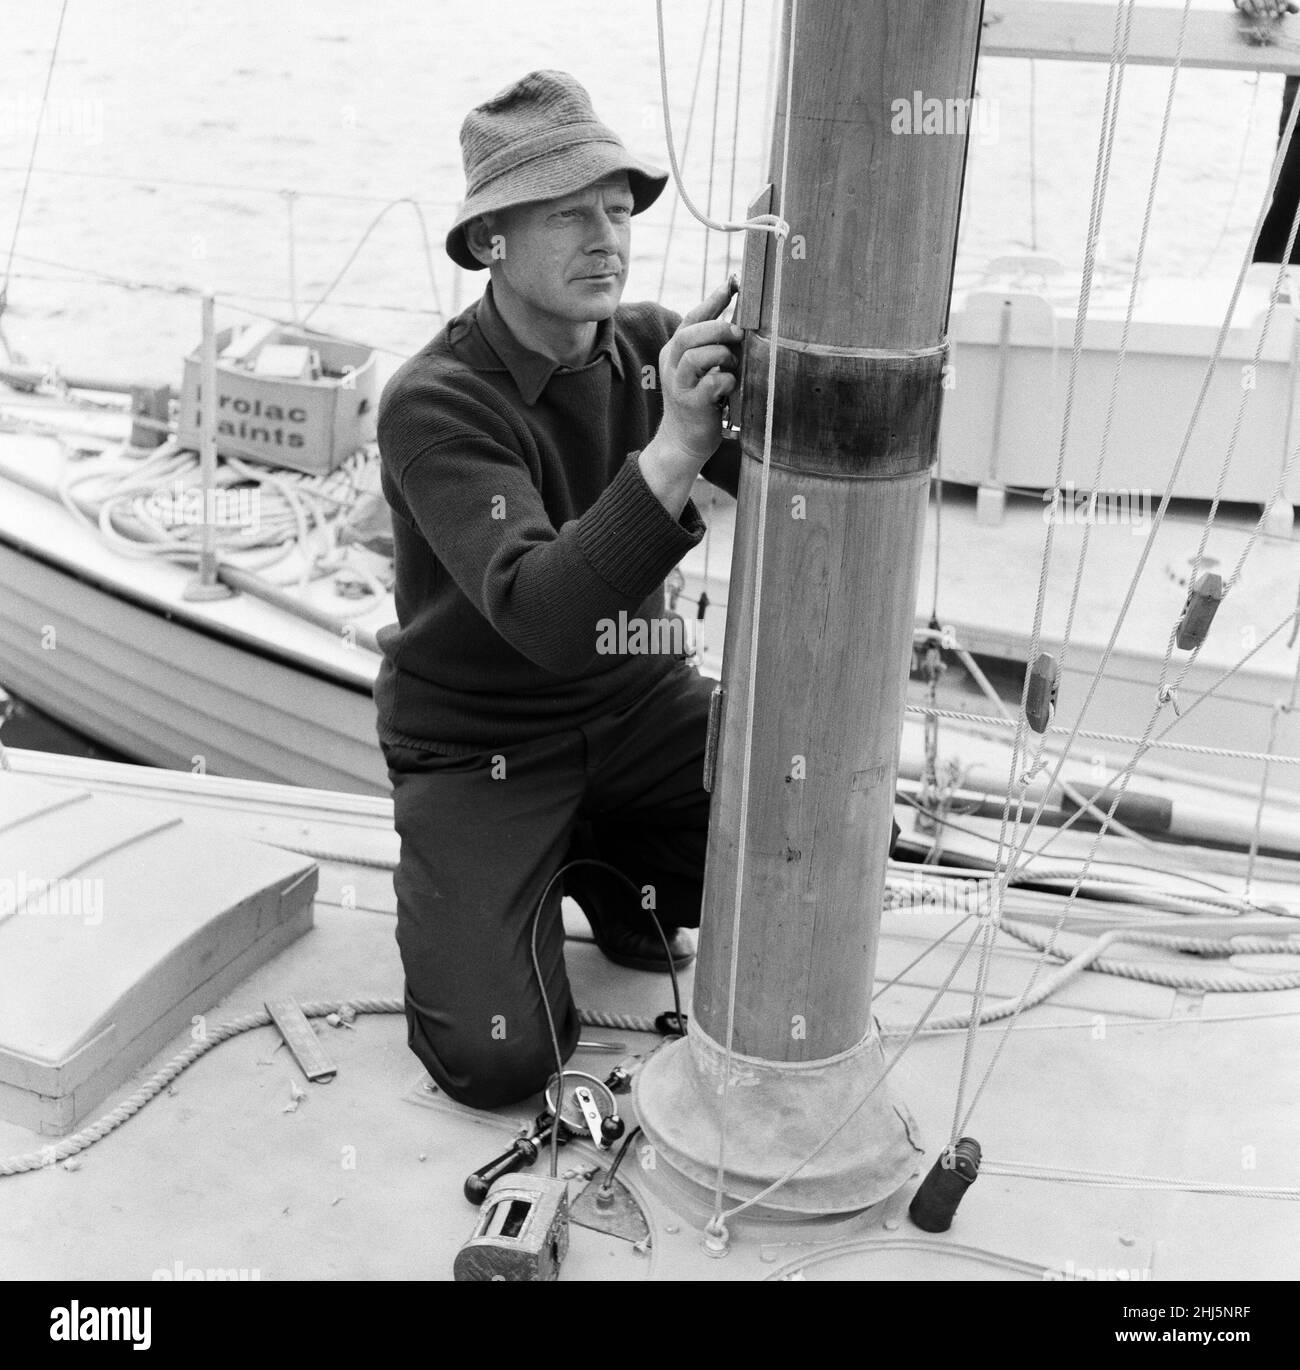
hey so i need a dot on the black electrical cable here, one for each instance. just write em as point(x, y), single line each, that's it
point(608, 1181)
point(546, 1003)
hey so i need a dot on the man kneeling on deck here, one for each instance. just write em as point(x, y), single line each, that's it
point(539, 456)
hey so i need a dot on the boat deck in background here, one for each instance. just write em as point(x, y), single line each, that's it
point(109, 644)
point(988, 587)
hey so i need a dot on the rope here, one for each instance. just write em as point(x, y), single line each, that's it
point(1101, 180)
point(31, 157)
point(1278, 710)
point(1109, 1179)
point(1033, 156)
point(624, 1022)
point(1202, 981)
point(1181, 715)
point(754, 620)
point(1236, 180)
point(735, 129)
point(1103, 450)
point(1163, 693)
point(185, 184)
point(769, 223)
point(1246, 392)
point(713, 149)
point(228, 299)
point(160, 1079)
point(356, 251)
point(366, 306)
point(686, 143)
point(1079, 798)
point(777, 225)
point(146, 511)
point(911, 1036)
point(1158, 517)
point(882, 990)
point(1122, 739)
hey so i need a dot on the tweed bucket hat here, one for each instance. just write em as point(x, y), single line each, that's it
point(537, 140)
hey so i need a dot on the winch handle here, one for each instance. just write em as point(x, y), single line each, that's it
point(522, 1153)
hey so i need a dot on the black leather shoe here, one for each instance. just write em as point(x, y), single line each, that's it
point(643, 950)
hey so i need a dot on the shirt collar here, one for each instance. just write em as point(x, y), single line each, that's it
point(531, 370)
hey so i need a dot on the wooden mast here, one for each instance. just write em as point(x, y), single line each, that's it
point(880, 106)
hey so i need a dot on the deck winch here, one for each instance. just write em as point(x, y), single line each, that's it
point(522, 1233)
point(523, 1230)
point(580, 1116)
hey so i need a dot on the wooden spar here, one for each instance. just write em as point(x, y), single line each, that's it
point(1221, 38)
point(872, 200)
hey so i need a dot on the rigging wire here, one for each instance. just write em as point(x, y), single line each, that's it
point(755, 610)
point(228, 300)
point(1119, 739)
point(356, 251)
point(713, 148)
point(707, 224)
point(1165, 692)
point(1266, 757)
point(1033, 156)
point(735, 131)
point(31, 164)
point(1158, 517)
point(777, 225)
point(686, 141)
point(1101, 178)
point(152, 179)
point(1279, 708)
point(1101, 181)
point(1236, 180)
point(1110, 1179)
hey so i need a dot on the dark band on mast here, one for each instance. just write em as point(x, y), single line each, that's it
point(869, 413)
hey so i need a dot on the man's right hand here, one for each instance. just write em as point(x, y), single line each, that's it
point(697, 372)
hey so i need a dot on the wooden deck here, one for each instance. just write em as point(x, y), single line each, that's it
point(363, 1178)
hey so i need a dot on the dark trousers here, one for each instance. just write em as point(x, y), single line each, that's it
point(481, 837)
point(1286, 195)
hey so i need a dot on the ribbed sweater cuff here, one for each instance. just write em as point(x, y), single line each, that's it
point(629, 539)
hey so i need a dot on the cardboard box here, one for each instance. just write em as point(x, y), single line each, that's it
point(305, 425)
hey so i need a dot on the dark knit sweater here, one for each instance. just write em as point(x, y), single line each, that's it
point(520, 521)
